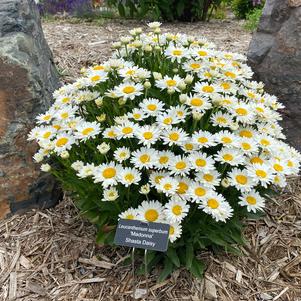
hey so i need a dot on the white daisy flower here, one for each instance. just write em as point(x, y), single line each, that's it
point(247, 145)
point(206, 89)
point(97, 77)
point(179, 166)
point(174, 136)
point(192, 66)
point(151, 106)
point(216, 205)
point(203, 139)
point(175, 231)
point(137, 115)
point(66, 113)
point(148, 134)
point(169, 83)
point(221, 119)
point(198, 103)
point(156, 177)
point(150, 211)
point(201, 162)
point(230, 156)
point(87, 130)
point(144, 158)
point(63, 142)
point(175, 53)
point(168, 186)
point(107, 174)
point(110, 133)
point(240, 179)
point(46, 117)
point(126, 130)
point(129, 176)
point(164, 159)
point(110, 194)
point(261, 173)
point(243, 113)
point(180, 111)
point(226, 138)
point(189, 147)
point(252, 200)
point(198, 191)
point(202, 53)
point(84, 171)
point(121, 154)
point(183, 186)
point(176, 210)
point(129, 90)
point(130, 213)
point(42, 133)
point(209, 178)
point(166, 120)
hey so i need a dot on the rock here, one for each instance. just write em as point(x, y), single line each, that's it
point(27, 79)
point(275, 56)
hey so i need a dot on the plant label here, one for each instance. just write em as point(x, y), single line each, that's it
point(138, 234)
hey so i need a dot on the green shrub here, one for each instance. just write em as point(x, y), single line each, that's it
point(168, 10)
point(252, 19)
point(241, 8)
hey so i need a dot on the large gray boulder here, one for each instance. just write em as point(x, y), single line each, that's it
point(275, 56)
point(27, 79)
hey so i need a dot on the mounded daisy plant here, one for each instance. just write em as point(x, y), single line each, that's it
point(168, 130)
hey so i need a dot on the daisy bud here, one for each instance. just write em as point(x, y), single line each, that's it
point(116, 45)
point(197, 115)
point(157, 30)
point(183, 98)
point(154, 25)
point(147, 85)
point(65, 155)
point(157, 75)
point(145, 189)
point(182, 86)
point(234, 126)
point(125, 40)
point(188, 79)
point(99, 101)
point(103, 148)
point(38, 157)
point(77, 165)
point(137, 44)
point(175, 70)
point(148, 48)
point(170, 91)
point(121, 101)
point(45, 167)
point(157, 48)
point(225, 183)
point(101, 117)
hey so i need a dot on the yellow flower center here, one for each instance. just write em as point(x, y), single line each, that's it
point(213, 203)
point(145, 158)
point(129, 216)
point(167, 186)
point(137, 116)
point(128, 89)
point(226, 140)
point(208, 89)
point(195, 66)
point(129, 177)
point(226, 86)
point(278, 167)
point(61, 142)
point(230, 74)
point(241, 112)
point(167, 120)
point(246, 146)
point(65, 100)
point(196, 102)
point(290, 163)
point(188, 146)
point(259, 109)
point(200, 162)
point(130, 72)
point(265, 142)
point(256, 160)
point(65, 115)
point(122, 154)
point(251, 95)
point(177, 52)
point(152, 107)
point(174, 136)
point(202, 140)
point(112, 134)
point(87, 131)
point(98, 67)
point(95, 78)
point(228, 157)
point(200, 191)
point(202, 53)
point(171, 83)
point(57, 127)
point(158, 179)
point(171, 230)
point(46, 135)
point(241, 179)
point(148, 135)
point(251, 200)
point(182, 188)
point(127, 130)
point(177, 210)
point(261, 173)
point(163, 159)
point(109, 172)
point(246, 133)
point(151, 215)
point(47, 117)
point(181, 165)
point(221, 119)
point(208, 177)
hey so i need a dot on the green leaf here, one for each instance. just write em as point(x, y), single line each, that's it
point(173, 256)
point(189, 255)
point(121, 9)
point(168, 268)
point(180, 8)
point(197, 268)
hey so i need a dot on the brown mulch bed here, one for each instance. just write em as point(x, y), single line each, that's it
point(51, 254)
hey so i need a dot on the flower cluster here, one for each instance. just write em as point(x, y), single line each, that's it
point(169, 127)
